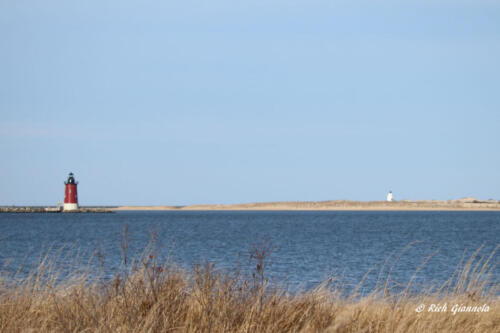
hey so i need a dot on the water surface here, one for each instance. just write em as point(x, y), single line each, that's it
point(308, 247)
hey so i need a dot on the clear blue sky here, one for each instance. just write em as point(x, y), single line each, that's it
point(182, 102)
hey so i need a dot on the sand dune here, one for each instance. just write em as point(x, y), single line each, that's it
point(462, 204)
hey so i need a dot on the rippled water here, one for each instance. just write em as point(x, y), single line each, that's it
point(308, 246)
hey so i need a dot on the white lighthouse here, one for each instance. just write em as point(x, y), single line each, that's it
point(389, 196)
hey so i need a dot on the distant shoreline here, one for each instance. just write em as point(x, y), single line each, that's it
point(468, 204)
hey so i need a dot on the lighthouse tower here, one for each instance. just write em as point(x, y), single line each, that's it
point(70, 194)
point(390, 196)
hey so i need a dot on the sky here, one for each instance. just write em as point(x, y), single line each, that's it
point(190, 102)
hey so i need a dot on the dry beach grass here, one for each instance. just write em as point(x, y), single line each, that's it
point(153, 296)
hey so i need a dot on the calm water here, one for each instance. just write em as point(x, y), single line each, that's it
point(308, 246)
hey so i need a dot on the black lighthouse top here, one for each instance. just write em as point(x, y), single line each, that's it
point(71, 179)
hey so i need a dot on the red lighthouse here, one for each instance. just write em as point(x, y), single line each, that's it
point(70, 194)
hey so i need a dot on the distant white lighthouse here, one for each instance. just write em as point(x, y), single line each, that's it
point(389, 196)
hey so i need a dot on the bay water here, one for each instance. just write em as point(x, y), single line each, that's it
point(306, 247)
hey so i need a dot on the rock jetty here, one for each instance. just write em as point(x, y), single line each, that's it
point(39, 209)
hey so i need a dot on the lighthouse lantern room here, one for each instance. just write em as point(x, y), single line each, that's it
point(70, 194)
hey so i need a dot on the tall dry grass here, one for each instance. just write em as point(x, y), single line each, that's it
point(153, 296)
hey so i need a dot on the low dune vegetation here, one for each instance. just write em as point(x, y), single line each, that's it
point(152, 295)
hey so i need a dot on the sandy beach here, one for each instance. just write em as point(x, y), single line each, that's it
point(405, 205)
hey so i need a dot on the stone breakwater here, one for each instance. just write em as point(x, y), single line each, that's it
point(38, 209)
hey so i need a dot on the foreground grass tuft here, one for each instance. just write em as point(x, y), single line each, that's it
point(149, 296)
